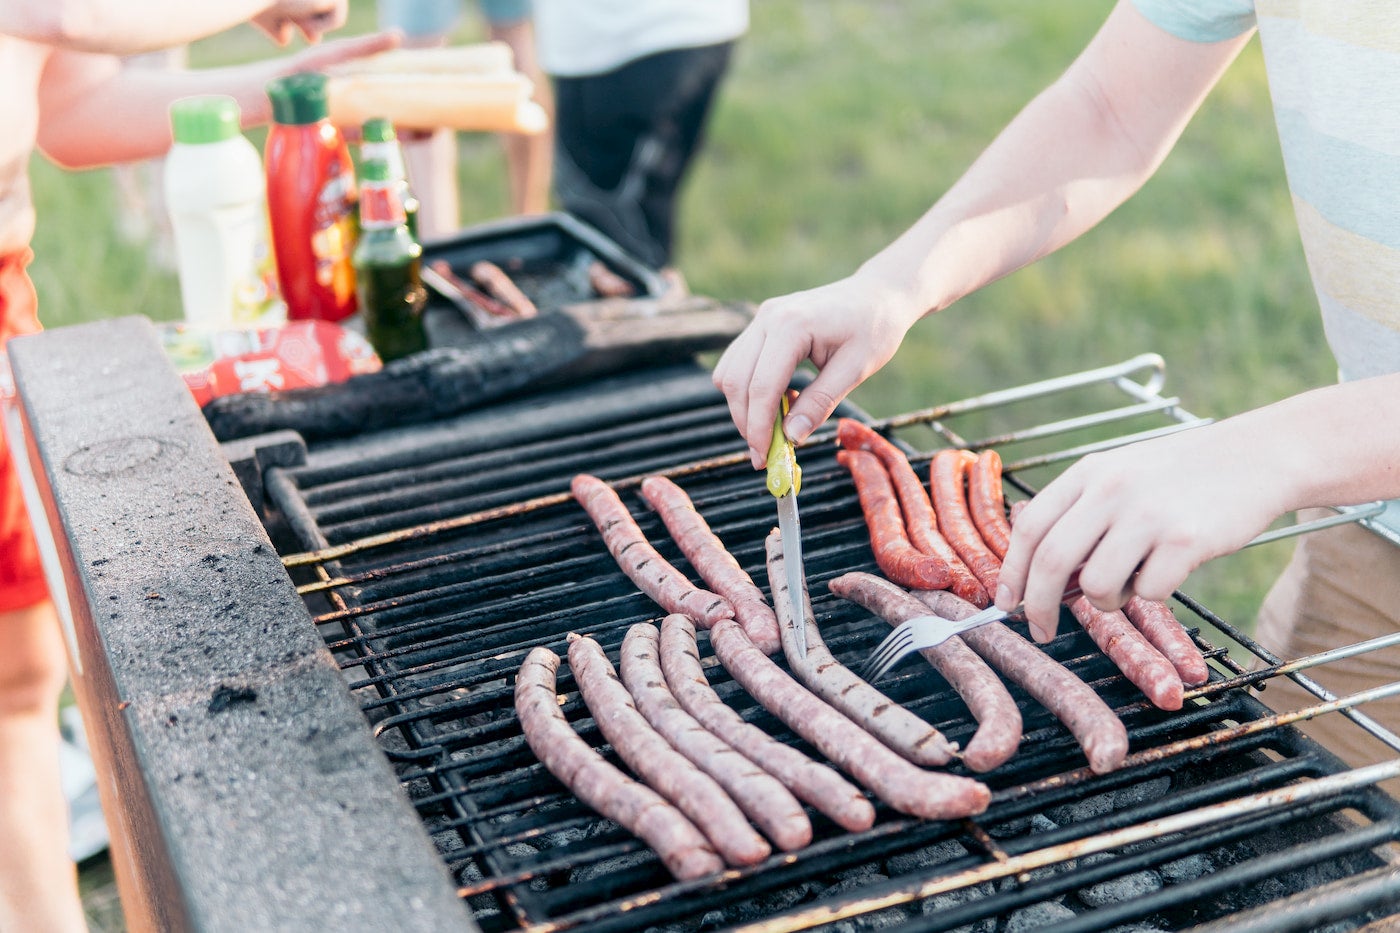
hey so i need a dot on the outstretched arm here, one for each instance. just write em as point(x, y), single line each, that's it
point(1142, 517)
point(93, 112)
point(1076, 152)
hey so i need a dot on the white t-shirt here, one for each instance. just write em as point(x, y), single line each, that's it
point(577, 38)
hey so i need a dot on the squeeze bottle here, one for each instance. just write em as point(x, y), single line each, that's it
point(311, 200)
point(214, 186)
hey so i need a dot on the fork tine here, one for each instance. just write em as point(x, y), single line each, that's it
point(895, 645)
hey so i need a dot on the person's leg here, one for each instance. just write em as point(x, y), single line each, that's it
point(529, 159)
point(38, 882)
point(1341, 587)
point(429, 158)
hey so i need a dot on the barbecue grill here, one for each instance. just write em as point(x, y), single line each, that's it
point(304, 717)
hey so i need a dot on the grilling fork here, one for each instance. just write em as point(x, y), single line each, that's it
point(930, 631)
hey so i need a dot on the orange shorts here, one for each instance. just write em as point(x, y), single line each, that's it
point(21, 576)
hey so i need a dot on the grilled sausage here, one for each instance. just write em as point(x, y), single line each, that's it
point(905, 733)
point(649, 755)
point(920, 522)
point(931, 795)
point(1073, 702)
point(1160, 626)
point(897, 557)
point(607, 283)
point(998, 720)
point(639, 560)
point(947, 480)
point(987, 502)
point(811, 781)
point(683, 849)
point(712, 561)
point(1132, 653)
point(493, 279)
point(760, 795)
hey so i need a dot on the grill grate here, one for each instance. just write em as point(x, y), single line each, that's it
point(434, 558)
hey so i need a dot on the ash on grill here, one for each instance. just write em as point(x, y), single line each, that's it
point(435, 557)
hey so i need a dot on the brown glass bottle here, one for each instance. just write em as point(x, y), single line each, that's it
point(388, 262)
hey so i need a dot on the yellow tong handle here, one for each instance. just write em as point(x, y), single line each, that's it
point(784, 475)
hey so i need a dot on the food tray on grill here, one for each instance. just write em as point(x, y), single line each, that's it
point(548, 258)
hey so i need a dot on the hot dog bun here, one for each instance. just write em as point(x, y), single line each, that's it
point(472, 87)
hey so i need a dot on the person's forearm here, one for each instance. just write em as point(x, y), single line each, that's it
point(124, 28)
point(126, 118)
point(1075, 153)
point(1337, 445)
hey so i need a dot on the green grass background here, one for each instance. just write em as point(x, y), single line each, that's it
point(840, 122)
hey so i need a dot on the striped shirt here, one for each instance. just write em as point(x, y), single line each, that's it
point(1334, 74)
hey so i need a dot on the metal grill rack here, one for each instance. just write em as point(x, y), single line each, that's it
point(434, 558)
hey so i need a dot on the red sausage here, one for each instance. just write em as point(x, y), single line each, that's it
point(930, 795)
point(640, 561)
point(1126, 647)
point(760, 795)
point(1073, 702)
point(998, 720)
point(987, 502)
point(683, 849)
point(1160, 626)
point(716, 566)
point(898, 558)
point(947, 480)
point(920, 522)
point(494, 280)
point(652, 758)
point(814, 783)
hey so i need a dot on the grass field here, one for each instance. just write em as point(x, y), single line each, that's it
point(840, 123)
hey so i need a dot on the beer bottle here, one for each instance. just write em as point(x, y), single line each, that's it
point(378, 140)
point(387, 267)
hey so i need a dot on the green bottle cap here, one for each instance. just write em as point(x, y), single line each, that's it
point(374, 170)
point(299, 99)
point(378, 130)
point(207, 118)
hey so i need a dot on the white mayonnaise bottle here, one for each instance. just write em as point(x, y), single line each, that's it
point(214, 189)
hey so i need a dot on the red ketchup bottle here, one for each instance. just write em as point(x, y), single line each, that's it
point(311, 201)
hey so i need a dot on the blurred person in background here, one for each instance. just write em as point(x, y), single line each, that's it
point(1141, 518)
point(70, 99)
point(432, 157)
point(634, 85)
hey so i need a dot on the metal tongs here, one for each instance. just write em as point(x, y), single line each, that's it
point(784, 481)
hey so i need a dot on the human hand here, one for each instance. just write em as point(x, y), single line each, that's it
point(849, 329)
point(313, 18)
point(322, 56)
point(1138, 519)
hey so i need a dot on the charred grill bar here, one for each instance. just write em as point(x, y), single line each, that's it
point(425, 561)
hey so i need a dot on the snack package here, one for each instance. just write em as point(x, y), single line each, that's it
point(293, 356)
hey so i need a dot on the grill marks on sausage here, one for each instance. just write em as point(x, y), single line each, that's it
point(905, 787)
point(947, 482)
point(652, 758)
point(1160, 626)
point(712, 561)
point(639, 560)
point(809, 780)
point(987, 502)
point(920, 521)
point(1089, 719)
point(760, 795)
point(894, 552)
point(683, 849)
point(999, 721)
point(1131, 652)
point(895, 726)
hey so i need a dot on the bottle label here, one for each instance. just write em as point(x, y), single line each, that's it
point(333, 232)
